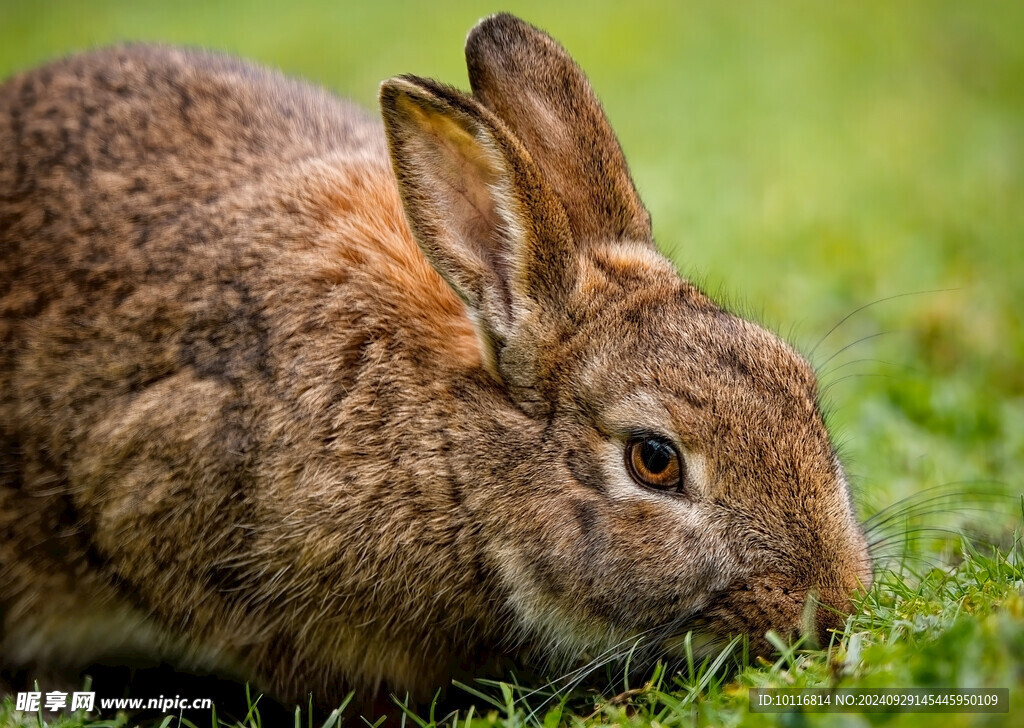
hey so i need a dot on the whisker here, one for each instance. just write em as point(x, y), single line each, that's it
point(933, 508)
point(919, 511)
point(885, 564)
point(823, 374)
point(916, 535)
point(861, 340)
point(576, 676)
point(825, 389)
point(857, 310)
point(958, 488)
point(902, 565)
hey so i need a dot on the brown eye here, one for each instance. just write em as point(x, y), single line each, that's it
point(654, 462)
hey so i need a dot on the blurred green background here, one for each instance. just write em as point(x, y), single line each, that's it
point(800, 159)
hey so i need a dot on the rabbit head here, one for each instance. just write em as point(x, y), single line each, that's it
point(681, 478)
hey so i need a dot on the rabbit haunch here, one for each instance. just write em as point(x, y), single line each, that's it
point(326, 406)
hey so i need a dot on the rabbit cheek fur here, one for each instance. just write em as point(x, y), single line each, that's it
point(256, 419)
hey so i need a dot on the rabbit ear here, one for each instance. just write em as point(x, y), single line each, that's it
point(532, 84)
point(477, 206)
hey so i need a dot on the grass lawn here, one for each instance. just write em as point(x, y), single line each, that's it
point(850, 174)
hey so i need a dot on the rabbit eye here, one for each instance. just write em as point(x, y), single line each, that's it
point(654, 462)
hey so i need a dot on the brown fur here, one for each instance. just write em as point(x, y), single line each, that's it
point(245, 425)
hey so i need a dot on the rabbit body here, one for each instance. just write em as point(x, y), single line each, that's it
point(254, 420)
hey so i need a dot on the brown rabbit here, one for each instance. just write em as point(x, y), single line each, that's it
point(254, 418)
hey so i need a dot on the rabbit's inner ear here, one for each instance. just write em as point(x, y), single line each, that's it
point(465, 180)
point(458, 198)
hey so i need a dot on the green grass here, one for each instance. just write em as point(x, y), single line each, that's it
point(801, 160)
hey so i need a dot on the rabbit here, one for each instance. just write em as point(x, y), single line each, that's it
point(331, 405)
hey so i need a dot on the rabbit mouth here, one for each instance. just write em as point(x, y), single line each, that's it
point(752, 609)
